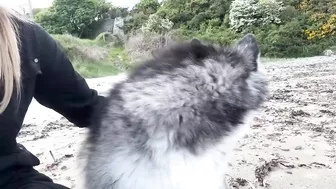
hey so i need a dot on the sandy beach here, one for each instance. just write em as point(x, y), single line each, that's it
point(291, 145)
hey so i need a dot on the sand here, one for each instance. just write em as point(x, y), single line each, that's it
point(291, 143)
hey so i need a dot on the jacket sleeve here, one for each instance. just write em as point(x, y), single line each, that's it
point(60, 87)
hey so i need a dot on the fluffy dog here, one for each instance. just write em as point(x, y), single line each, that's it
point(174, 121)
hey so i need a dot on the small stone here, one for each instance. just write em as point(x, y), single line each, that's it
point(328, 52)
point(63, 168)
point(284, 149)
point(298, 148)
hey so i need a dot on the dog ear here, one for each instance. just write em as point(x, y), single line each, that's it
point(195, 42)
point(248, 46)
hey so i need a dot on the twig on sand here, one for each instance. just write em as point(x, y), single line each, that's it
point(52, 155)
point(316, 164)
point(235, 183)
point(262, 171)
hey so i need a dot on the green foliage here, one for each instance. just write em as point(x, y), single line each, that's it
point(157, 24)
point(147, 7)
point(89, 69)
point(194, 13)
point(220, 36)
point(120, 58)
point(37, 10)
point(283, 41)
point(93, 58)
point(291, 28)
point(246, 14)
point(279, 26)
point(196, 22)
point(113, 40)
point(115, 12)
point(136, 22)
point(288, 13)
point(140, 14)
point(177, 11)
point(74, 17)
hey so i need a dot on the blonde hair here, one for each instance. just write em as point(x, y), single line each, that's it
point(10, 63)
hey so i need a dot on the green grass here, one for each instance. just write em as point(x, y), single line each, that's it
point(71, 40)
point(120, 58)
point(93, 58)
point(333, 48)
point(95, 69)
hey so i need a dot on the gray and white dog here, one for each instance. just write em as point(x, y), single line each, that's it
point(174, 121)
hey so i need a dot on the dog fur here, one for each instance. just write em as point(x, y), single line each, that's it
point(172, 123)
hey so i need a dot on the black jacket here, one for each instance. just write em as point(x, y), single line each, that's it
point(48, 76)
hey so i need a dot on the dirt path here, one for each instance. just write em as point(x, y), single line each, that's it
point(292, 141)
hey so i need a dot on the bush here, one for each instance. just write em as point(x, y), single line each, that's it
point(135, 22)
point(156, 24)
point(73, 17)
point(221, 36)
point(245, 14)
point(196, 22)
point(80, 49)
point(289, 41)
point(147, 7)
point(93, 58)
point(270, 11)
point(140, 45)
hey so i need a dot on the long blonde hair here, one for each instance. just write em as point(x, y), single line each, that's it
point(10, 63)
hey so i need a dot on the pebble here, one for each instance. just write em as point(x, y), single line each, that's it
point(298, 148)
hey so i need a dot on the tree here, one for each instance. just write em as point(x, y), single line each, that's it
point(73, 17)
point(115, 12)
point(147, 7)
point(140, 14)
point(179, 12)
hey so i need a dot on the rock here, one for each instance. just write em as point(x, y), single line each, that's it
point(298, 148)
point(105, 25)
point(118, 26)
point(285, 149)
point(328, 52)
point(64, 168)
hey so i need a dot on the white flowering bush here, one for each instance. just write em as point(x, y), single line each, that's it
point(247, 13)
point(157, 24)
point(244, 13)
point(271, 11)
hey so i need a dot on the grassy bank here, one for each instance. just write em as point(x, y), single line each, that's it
point(93, 58)
point(99, 58)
